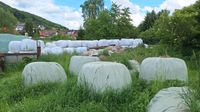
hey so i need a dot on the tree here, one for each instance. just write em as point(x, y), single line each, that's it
point(92, 8)
point(7, 21)
point(81, 33)
point(29, 28)
point(113, 23)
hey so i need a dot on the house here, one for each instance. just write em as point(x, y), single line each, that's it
point(73, 33)
point(20, 27)
point(41, 27)
point(48, 33)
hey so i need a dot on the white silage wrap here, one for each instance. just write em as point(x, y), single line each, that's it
point(92, 44)
point(126, 42)
point(50, 44)
point(43, 72)
point(103, 42)
point(62, 43)
point(28, 45)
point(77, 62)
point(135, 66)
point(80, 50)
point(41, 44)
point(14, 46)
point(163, 68)
point(56, 50)
point(169, 100)
point(68, 50)
point(75, 43)
point(101, 76)
point(113, 42)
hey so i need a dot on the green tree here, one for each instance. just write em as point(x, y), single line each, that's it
point(81, 33)
point(29, 28)
point(7, 21)
point(92, 8)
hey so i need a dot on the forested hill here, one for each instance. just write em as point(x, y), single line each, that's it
point(22, 17)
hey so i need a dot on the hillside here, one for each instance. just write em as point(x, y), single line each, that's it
point(22, 16)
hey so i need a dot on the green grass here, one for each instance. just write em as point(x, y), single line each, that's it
point(73, 98)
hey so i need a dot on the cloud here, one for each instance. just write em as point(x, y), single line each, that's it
point(170, 5)
point(47, 9)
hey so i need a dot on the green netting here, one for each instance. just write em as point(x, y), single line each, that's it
point(6, 38)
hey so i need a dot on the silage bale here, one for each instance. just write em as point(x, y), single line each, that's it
point(126, 42)
point(68, 50)
point(40, 43)
point(92, 44)
point(43, 72)
point(14, 46)
point(28, 45)
point(163, 68)
point(77, 62)
point(56, 51)
point(114, 42)
point(103, 43)
point(101, 76)
point(169, 100)
point(135, 66)
point(80, 50)
point(50, 45)
point(62, 43)
point(75, 43)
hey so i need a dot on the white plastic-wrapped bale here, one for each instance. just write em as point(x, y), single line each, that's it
point(62, 43)
point(77, 62)
point(40, 43)
point(137, 41)
point(80, 50)
point(126, 42)
point(43, 72)
point(135, 66)
point(50, 45)
point(84, 43)
point(68, 50)
point(92, 44)
point(103, 43)
point(75, 43)
point(14, 46)
point(56, 51)
point(169, 100)
point(114, 42)
point(164, 69)
point(101, 76)
point(28, 45)
point(46, 51)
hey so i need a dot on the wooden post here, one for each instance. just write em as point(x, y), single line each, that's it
point(38, 52)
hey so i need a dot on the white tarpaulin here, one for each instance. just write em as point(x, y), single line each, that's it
point(101, 76)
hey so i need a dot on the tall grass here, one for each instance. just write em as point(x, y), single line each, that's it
point(70, 97)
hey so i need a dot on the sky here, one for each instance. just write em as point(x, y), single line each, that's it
point(68, 12)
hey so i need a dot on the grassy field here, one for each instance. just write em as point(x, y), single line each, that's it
point(69, 97)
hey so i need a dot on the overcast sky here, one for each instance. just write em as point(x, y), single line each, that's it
point(68, 12)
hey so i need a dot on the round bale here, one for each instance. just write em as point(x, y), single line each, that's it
point(101, 76)
point(158, 68)
point(77, 62)
point(43, 72)
point(169, 100)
